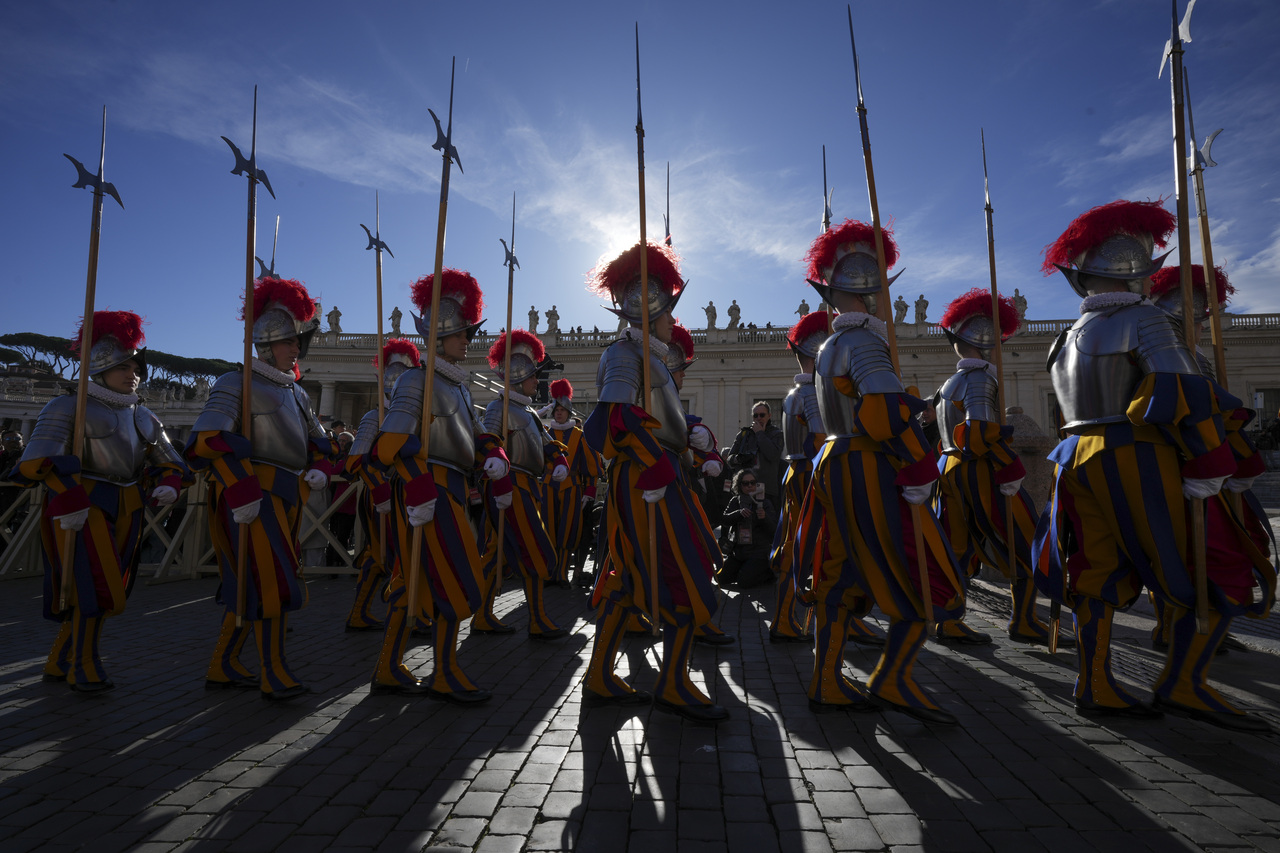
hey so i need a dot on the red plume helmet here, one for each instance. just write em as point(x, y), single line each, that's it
point(1112, 241)
point(619, 280)
point(401, 347)
point(1166, 289)
point(824, 252)
point(292, 296)
point(117, 336)
point(527, 352)
point(561, 388)
point(461, 303)
point(976, 303)
point(680, 350)
point(808, 335)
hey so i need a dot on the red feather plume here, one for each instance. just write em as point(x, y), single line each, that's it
point(977, 302)
point(607, 278)
point(1170, 278)
point(458, 285)
point(290, 293)
point(124, 326)
point(680, 337)
point(1093, 226)
point(810, 324)
point(822, 252)
point(498, 351)
point(402, 347)
point(561, 388)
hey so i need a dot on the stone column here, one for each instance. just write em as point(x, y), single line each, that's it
point(328, 400)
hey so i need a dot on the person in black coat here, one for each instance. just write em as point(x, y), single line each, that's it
point(750, 517)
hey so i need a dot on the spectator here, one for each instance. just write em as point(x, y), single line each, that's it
point(10, 454)
point(759, 448)
point(750, 519)
point(343, 520)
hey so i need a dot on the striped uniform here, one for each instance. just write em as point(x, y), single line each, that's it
point(565, 497)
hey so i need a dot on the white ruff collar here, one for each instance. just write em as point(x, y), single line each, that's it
point(452, 372)
point(852, 319)
point(656, 347)
point(1102, 301)
point(567, 425)
point(114, 399)
point(804, 378)
point(516, 397)
point(268, 372)
point(972, 363)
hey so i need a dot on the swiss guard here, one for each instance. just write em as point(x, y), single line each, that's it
point(96, 494)
point(531, 451)
point(374, 560)
point(262, 483)
point(430, 492)
point(980, 471)
point(643, 440)
point(874, 467)
point(568, 498)
point(1145, 447)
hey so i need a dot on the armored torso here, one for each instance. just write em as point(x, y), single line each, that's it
point(525, 435)
point(120, 442)
point(619, 380)
point(283, 424)
point(969, 395)
point(860, 357)
point(1096, 365)
point(365, 434)
point(800, 419)
point(453, 422)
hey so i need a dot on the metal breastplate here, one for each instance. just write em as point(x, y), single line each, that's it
point(113, 450)
point(281, 430)
point(861, 356)
point(795, 432)
point(619, 380)
point(975, 390)
point(1096, 365)
point(525, 437)
point(365, 434)
point(453, 423)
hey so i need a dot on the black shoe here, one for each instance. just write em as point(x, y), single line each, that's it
point(233, 684)
point(557, 634)
point(49, 676)
point(460, 697)
point(1137, 711)
point(974, 639)
point(498, 628)
point(1240, 722)
point(714, 639)
point(936, 716)
point(287, 694)
point(591, 699)
point(94, 686)
point(709, 714)
point(835, 707)
point(417, 687)
point(1160, 645)
point(372, 626)
point(1042, 640)
point(1230, 643)
point(789, 638)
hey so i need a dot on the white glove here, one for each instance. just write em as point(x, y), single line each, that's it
point(917, 495)
point(1010, 488)
point(247, 513)
point(316, 478)
point(1201, 489)
point(495, 468)
point(652, 496)
point(73, 520)
point(164, 495)
point(559, 472)
point(700, 438)
point(1239, 484)
point(422, 513)
point(502, 501)
point(383, 508)
point(712, 468)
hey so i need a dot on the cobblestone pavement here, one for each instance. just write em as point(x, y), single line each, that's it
point(161, 764)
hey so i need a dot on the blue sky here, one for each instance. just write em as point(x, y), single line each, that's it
point(739, 98)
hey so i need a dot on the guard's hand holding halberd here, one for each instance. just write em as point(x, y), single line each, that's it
point(247, 513)
point(917, 495)
point(652, 496)
point(502, 501)
point(164, 495)
point(1239, 484)
point(1010, 488)
point(316, 478)
point(712, 467)
point(496, 467)
point(422, 513)
point(559, 472)
point(383, 507)
point(73, 520)
point(700, 438)
point(1196, 489)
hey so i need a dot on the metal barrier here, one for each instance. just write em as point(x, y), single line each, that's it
point(21, 555)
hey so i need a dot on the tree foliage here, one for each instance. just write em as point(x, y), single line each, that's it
point(12, 356)
point(36, 347)
point(56, 352)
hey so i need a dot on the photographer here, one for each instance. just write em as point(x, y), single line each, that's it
point(759, 448)
point(750, 519)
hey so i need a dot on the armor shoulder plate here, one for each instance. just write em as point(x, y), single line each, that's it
point(222, 410)
point(160, 449)
point(493, 417)
point(405, 411)
point(52, 433)
point(870, 366)
point(1056, 348)
point(1160, 349)
point(620, 375)
point(365, 434)
point(980, 396)
point(314, 428)
point(812, 413)
point(148, 425)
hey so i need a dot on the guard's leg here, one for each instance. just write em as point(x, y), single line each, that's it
point(1184, 688)
point(87, 674)
point(603, 685)
point(277, 680)
point(448, 682)
point(58, 665)
point(540, 625)
point(391, 675)
point(830, 688)
point(225, 669)
point(1097, 691)
point(893, 682)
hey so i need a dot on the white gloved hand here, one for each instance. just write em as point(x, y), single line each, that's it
point(1239, 484)
point(1010, 488)
point(502, 501)
point(422, 513)
point(1201, 489)
point(917, 495)
point(247, 513)
point(712, 468)
point(164, 495)
point(559, 472)
point(495, 468)
point(383, 508)
point(316, 478)
point(652, 496)
point(73, 520)
point(700, 438)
